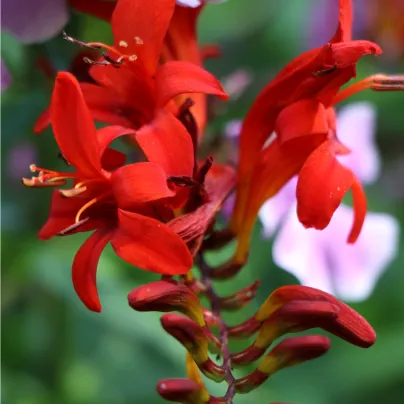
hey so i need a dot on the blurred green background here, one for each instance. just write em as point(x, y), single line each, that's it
point(56, 351)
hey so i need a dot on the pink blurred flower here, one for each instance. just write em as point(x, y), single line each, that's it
point(5, 76)
point(196, 3)
point(323, 259)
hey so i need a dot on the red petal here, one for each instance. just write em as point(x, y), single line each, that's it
point(348, 53)
point(85, 268)
point(42, 122)
point(98, 8)
point(139, 183)
point(105, 105)
point(62, 215)
point(73, 126)
point(179, 77)
point(166, 142)
point(112, 159)
point(149, 244)
point(344, 30)
point(302, 118)
point(322, 184)
point(108, 134)
point(147, 20)
point(360, 207)
point(274, 167)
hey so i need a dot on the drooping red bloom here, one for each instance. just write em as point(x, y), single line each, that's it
point(291, 128)
point(118, 201)
point(132, 88)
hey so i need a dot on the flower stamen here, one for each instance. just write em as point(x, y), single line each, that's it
point(90, 203)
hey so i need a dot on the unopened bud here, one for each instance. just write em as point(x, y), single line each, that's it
point(182, 391)
point(167, 296)
point(240, 298)
point(193, 337)
point(348, 325)
point(289, 352)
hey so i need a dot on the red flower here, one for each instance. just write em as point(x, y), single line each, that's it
point(134, 94)
point(298, 106)
point(119, 205)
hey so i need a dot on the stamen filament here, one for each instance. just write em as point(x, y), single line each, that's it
point(90, 203)
point(361, 85)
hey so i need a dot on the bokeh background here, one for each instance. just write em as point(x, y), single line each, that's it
point(55, 351)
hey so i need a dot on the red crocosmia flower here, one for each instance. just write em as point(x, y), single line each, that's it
point(118, 204)
point(132, 89)
point(98, 8)
point(291, 128)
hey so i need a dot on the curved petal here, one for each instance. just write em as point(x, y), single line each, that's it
point(105, 105)
point(84, 268)
point(356, 126)
point(149, 244)
point(33, 21)
point(302, 118)
point(344, 30)
point(321, 185)
point(98, 8)
point(360, 208)
point(62, 215)
point(108, 134)
point(73, 126)
point(42, 122)
point(166, 142)
point(142, 25)
point(139, 183)
point(179, 77)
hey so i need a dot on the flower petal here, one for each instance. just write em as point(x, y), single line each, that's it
point(302, 118)
point(62, 215)
point(108, 134)
point(360, 207)
point(344, 30)
point(355, 269)
point(139, 183)
point(322, 184)
point(179, 77)
point(85, 268)
point(148, 21)
point(112, 159)
point(98, 8)
point(166, 142)
point(73, 126)
point(149, 244)
point(356, 126)
point(35, 20)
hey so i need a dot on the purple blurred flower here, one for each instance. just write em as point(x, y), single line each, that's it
point(33, 21)
point(5, 76)
point(323, 259)
point(18, 159)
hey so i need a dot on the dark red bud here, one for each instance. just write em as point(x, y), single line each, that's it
point(349, 325)
point(167, 296)
point(240, 298)
point(182, 391)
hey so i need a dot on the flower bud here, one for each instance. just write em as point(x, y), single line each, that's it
point(182, 391)
point(348, 325)
point(240, 298)
point(193, 337)
point(289, 352)
point(167, 296)
point(292, 317)
point(245, 329)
